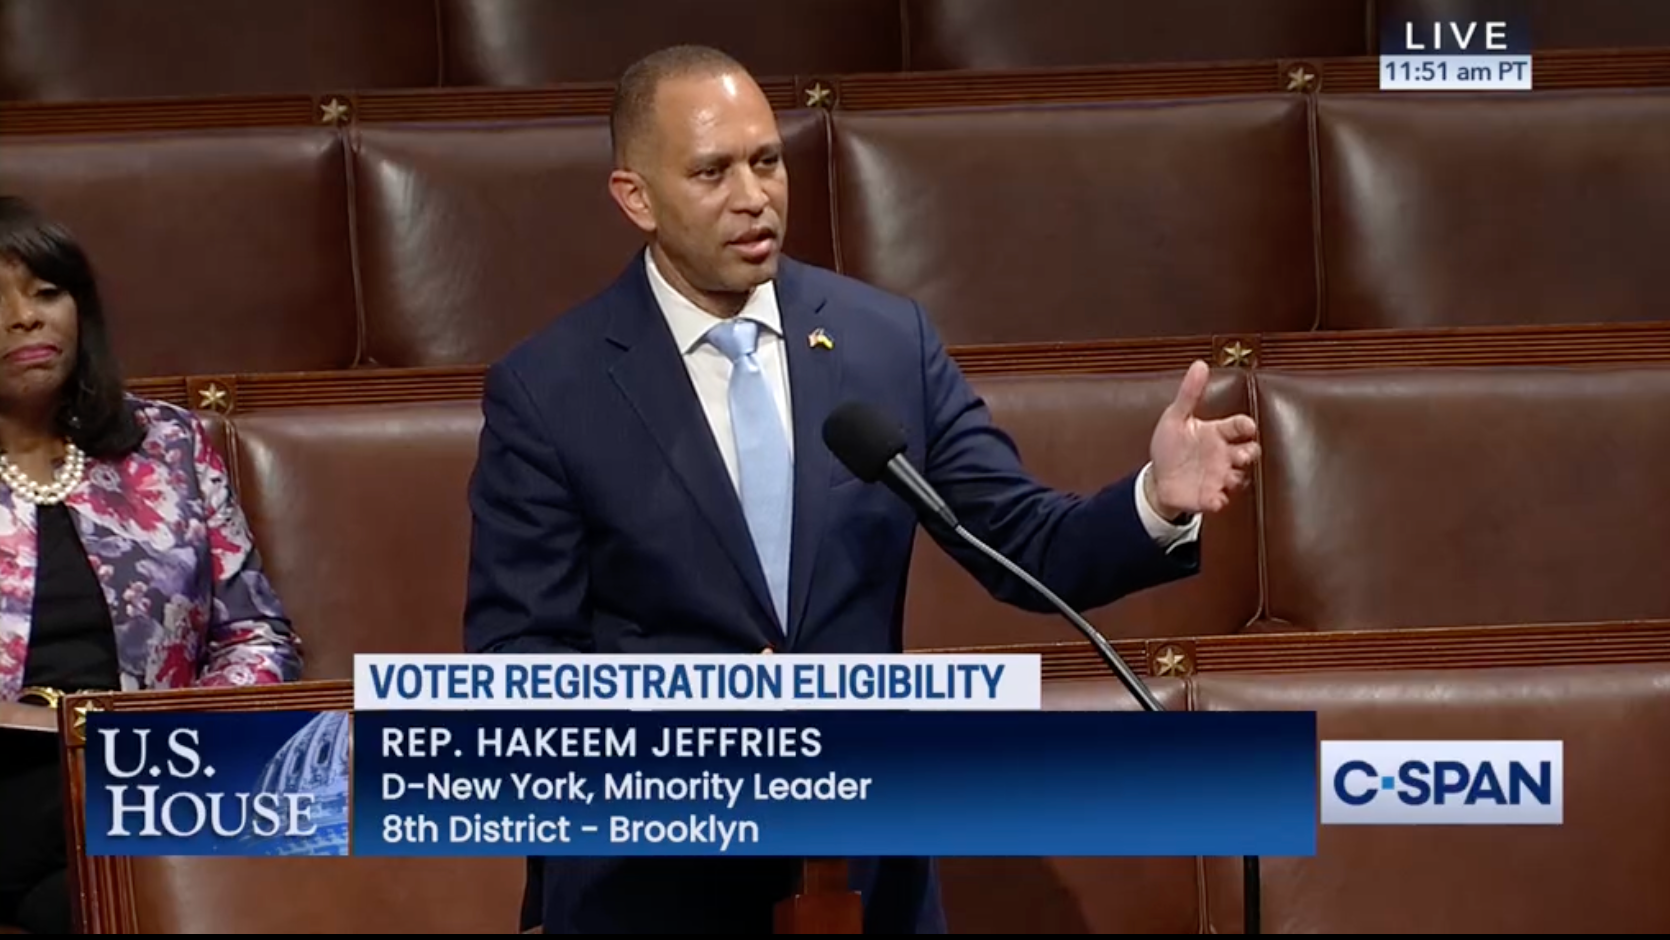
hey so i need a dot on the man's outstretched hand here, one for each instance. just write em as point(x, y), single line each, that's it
point(1198, 464)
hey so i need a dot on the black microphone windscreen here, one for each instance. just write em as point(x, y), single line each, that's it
point(863, 438)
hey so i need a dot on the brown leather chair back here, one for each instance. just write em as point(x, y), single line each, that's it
point(1602, 871)
point(90, 49)
point(362, 518)
point(1024, 34)
point(327, 895)
point(1046, 224)
point(1081, 433)
point(216, 252)
point(544, 42)
point(1451, 497)
point(1483, 210)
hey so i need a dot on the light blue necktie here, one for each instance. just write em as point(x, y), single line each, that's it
point(764, 466)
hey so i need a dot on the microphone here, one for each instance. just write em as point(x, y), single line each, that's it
point(872, 446)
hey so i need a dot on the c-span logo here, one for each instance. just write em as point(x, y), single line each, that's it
point(1443, 783)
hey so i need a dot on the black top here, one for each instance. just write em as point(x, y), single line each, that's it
point(72, 642)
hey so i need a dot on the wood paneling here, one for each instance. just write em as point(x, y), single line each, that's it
point(1578, 345)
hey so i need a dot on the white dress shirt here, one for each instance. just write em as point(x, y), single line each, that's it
point(710, 371)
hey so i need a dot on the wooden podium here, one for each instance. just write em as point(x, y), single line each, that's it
point(825, 904)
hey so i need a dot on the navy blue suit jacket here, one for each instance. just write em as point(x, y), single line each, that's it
point(605, 521)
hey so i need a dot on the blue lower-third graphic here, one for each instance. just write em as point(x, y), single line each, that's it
point(1038, 783)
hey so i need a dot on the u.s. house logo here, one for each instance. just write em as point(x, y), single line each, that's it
point(315, 762)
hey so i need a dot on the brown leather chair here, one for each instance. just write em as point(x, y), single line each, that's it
point(327, 895)
point(1080, 433)
point(362, 521)
point(217, 252)
point(1602, 871)
point(1478, 210)
point(544, 42)
point(1047, 224)
point(1027, 34)
point(103, 49)
point(1434, 497)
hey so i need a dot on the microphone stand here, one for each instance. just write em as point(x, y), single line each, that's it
point(1138, 689)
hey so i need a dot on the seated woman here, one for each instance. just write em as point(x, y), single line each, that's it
point(125, 561)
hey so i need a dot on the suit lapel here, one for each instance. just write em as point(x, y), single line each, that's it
point(651, 373)
point(814, 380)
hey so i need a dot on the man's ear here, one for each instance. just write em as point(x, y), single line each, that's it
point(629, 192)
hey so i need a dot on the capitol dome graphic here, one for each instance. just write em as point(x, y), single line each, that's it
point(314, 761)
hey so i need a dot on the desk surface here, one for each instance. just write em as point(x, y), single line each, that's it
point(28, 717)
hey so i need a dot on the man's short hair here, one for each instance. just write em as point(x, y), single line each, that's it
point(633, 110)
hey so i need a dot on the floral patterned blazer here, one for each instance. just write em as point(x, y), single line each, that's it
point(173, 552)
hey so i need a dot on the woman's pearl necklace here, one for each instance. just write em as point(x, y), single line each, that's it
point(45, 494)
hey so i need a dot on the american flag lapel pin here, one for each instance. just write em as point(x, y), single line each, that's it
point(819, 338)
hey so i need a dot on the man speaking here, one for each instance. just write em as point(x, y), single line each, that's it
point(652, 476)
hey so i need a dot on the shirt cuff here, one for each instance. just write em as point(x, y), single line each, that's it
point(1166, 534)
